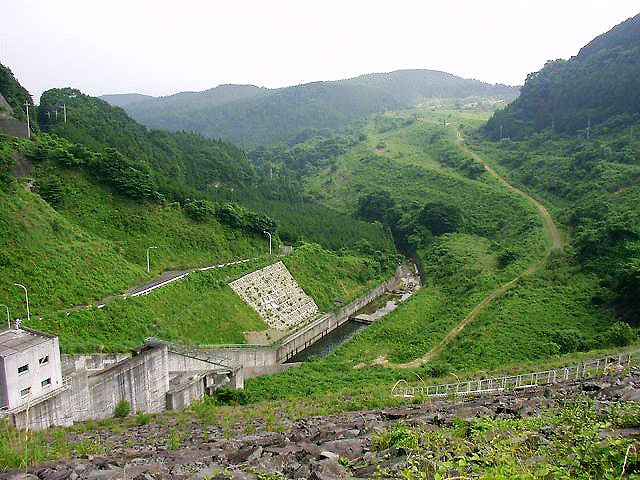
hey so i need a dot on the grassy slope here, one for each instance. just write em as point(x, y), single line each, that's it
point(460, 268)
point(199, 309)
point(132, 227)
point(96, 243)
point(202, 308)
point(333, 279)
point(39, 247)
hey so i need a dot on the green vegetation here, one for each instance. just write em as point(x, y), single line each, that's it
point(333, 280)
point(14, 93)
point(302, 220)
point(177, 159)
point(249, 115)
point(409, 174)
point(122, 410)
point(96, 240)
point(565, 443)
point(593, 187)
point(196, 172)
point(491, 237)
point(100, 190)
point(599, 85)
point(203, 309)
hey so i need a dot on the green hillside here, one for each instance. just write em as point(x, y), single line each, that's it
point(123, 99)
point(177, 159)
point(81, 204)
point(591, 182)
point(183, 166)
point(203, 309)
point(599, 87)
point(249, 115)
point(480, 237)
point(96, 238)
point(14, 93)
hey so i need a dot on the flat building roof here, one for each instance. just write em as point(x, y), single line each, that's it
point(18, 340)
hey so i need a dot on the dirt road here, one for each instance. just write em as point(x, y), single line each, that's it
point(554, 239)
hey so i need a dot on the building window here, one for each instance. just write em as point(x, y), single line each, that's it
point(25, 391)
point(23, 369)
point(44, 360)
point(45, 383)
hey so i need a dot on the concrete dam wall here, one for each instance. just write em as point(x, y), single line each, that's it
point(257, 360)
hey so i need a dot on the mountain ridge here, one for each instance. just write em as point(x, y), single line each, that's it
point(600, 84)
point(251, 115)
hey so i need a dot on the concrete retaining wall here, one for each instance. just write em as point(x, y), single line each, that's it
point(54, 410)
point(142, 380)
point(195, 387)
point(258, 360)
point(94, 361)
point(317, 329)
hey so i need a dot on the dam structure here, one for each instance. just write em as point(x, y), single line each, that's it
point(161, 375)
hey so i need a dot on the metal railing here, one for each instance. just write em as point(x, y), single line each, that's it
point(589, 368)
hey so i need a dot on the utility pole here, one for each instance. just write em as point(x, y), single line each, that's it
point(56, 115)
point(26, 297)
point(26, 104)
point(8, 317)
point(148, 259)
point(267, 233)
point(64, 112)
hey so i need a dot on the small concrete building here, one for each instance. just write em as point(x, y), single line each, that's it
point(29, 367)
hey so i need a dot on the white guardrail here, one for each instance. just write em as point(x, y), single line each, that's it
point(604, 365)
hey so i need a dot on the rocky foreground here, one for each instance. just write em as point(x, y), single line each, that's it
point(320, 448)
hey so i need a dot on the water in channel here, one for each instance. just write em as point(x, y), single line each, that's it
point(378, 308)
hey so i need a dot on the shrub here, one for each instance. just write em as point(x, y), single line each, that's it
point(198, 210)
point(173, 441)
point(619, 334)
point(142, 418)
point(230, 396)
point(122, 410)
point(399, 436)
point(50, 188)
point(440, 218)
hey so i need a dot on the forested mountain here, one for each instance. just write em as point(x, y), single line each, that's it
point(81, 202)
point(592, 178)
point(14, 93)
point(184, 101)
point(249, 115)
point(601, 83)
point(182, 166)
point(182, 158)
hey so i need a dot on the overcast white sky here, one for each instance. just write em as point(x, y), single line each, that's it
point(161, 47)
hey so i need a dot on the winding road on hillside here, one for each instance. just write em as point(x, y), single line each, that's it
point(554, 243)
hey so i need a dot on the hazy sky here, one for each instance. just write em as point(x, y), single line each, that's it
point(161, 47)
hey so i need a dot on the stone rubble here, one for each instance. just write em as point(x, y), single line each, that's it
point(311, 448)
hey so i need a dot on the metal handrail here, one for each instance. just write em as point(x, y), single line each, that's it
point(519, 381)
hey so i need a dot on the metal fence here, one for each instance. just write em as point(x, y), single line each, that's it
point(589, 368)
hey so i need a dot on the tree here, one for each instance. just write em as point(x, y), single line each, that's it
point(199, 210)
point(440, 218)
point(378, 206)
